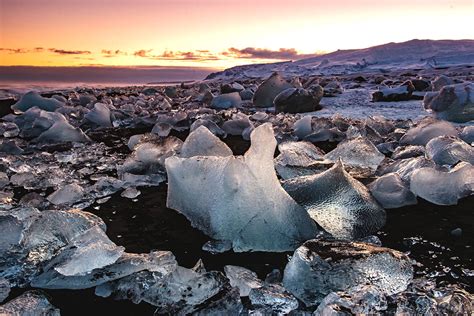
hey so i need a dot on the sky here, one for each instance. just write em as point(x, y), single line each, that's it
point(214, 33)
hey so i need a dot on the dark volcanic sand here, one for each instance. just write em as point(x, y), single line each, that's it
point(146, 224)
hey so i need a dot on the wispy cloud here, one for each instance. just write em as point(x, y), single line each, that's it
point(113, 53)
point(69, 52)
point(197, 55)
point(14, 50)
point(262, 53)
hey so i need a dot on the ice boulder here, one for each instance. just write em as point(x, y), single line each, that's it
point(239, 199)
point(34, 99)
point(201, 142)
point(400, 93)
point(467, 134)
point(225, 101)
point(339, 203)
point(443, 188)
point(426, 130)
point(319, 267)
point(62, 131)
point(298, 100)
point(391, 192)
point(405, 167)
point(449, 150)
point(439, 82)
point(68, 194)
point(452, 103)
point(239, 125)
point(298, 159)
point(269, 89)
point(99, 116)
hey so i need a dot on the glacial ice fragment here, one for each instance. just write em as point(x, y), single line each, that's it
point(68, 194)
point(30, 303)
point(242, 202)
point(201, 142)
point(302, 127)
point(449, 150)
point(298, 159)
point(225, 101)
point(319, 267)
point(243, 279)
point(62, 131)
point(453, 103)
point(426, 130)
point(99, 116)
point(443, 188)
point(273, 299)
point(391, 192)
point(269, 89)
point(339, 203)
point(34, 99)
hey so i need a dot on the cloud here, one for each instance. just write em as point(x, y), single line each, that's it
point(197, 55)
point(113, 53)
point(262, 53)
point(69, 52)
point(14, 50)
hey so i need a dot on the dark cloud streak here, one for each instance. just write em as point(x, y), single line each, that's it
point(69, 52)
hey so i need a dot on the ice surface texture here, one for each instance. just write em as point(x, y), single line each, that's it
point(340, 204)
point(318, 268)
point(239, 199)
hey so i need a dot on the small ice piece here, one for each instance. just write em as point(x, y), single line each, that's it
point(244, 279)
point(217, 246)
point(302, 127)
point(68, 194)
point(89, 251)
point(161, 262)
point(201, 142)
point(439, 82)
point(225, 101)
point(410, 151)
point(426, 130)
point(9, 129)
point(320, 267)
point(453, 103)
point(99, 116)
point(231, 87)
point(363, 300)
point(239, 199)
point(274, 299)
point(405, 167)
point(391, 192)
point(4, 289)
point(337, 202)
point(400, 93)
point(130, 193)
point(62, 131)
point(357, 153)
point(298, 159)
point(239, 123)
point(467, 134)
point(161, 129)
point(449, 150)
point(269, 89)
point(211, 126)
point(29, 304)
point(134, 140)
point(34, 99)
point(443, 188)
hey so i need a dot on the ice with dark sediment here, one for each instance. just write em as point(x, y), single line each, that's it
point(426, 130)
point(34, 99)
point(357, 153)
point(453, 102)
point(269, 89)
point(298, 159)
point(244, 202)
point(28, 304)
point(319, 267)
point(99, 116)
point(391, 192)
point(243, 279)
point(338, 203)
point(443, 187)
point(201, 142)
point(271, 299)
point(449, 150)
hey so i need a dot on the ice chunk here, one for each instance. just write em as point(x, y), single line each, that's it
point(273, 299)
point(443, 188)
point(243, 279)
point(400, 93)
point(439, 82)
point(211, 126)
point(467, 134)
point(340, 204)
point(29, 304)
point(298, 100)
point(4, 289)
point(453, 103)
point(159, 262)
point(34, 99)
point(391, 192)
point(405, 167)
point(426, 130)
point(225, 101)
point(68, 194)
point(269, 89)
point(302, 127)
point(239, 199)
point(130, 193)
point(202, 142)
point(449, 150)
point(320, 267)
point(62, 131)
point(238, 125)
point(99, 116)
point(358, 153)
point(298, 159)
point(404, 152)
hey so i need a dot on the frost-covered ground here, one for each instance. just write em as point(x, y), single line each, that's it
point(200, 199)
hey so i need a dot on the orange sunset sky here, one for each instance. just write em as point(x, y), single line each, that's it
point(214, 33)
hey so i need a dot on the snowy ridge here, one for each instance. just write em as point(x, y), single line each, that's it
point(419, 54)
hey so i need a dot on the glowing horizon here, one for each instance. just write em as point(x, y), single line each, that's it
point(213, 33)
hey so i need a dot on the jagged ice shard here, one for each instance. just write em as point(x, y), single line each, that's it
point(239, 199)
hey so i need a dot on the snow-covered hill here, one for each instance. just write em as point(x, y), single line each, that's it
point(414, 54)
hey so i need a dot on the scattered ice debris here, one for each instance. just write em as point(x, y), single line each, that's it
point(29, 303)
point(338, 203)
point(449, 150)
point(243, 279)
point(231, 87)
point(99, 116)
point(298, 100)
point(358, 153)
point(320, 267)
point(298, 159)
point(239, 125)
point(68, 194)
point(225, 101)
point(210, 125)
point(426, 130)
point(332, 89)
point(9, 129)
point(269, 89)
point(271, 299)
point(443, 188)
point(391, 192)
point(34, 99)
point(62, 131)
point(453, 103)
point(243, 202)
point(201, 142)
point(4, 289)
point(405, 167)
